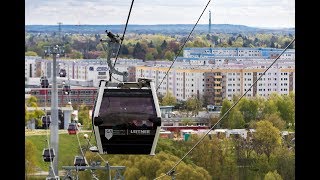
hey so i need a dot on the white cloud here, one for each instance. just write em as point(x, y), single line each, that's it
point(267, 13)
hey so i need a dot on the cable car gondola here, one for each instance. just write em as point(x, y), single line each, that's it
point(62, 73)
point(126, 117)
point(44, 82)
point(80, 161)
point(46, 120)
point(48, 155)
point(66, 89)
point(72, 128)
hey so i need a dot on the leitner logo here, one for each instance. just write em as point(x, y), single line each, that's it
point(140, 131)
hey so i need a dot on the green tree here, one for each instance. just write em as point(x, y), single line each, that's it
point(273, 176)
point(139, 52)
point(194, 105)
point(286, 108)
point(149, 56)
point(30, 53)
point(35, 114)
point(248, 108)
point(228, 158)
point(276, 120)
point(83, 116)
point(164, 45)
point(76, 55)
point(208, 155)
point(266, 138)
point(169, 55)
point(270, 107)
point(169, 100)
point(30, 157)
point(285, 162)
point(236, 120)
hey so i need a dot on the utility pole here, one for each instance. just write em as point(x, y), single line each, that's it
point(209, 22)
point(54, 125)
point(59, 23)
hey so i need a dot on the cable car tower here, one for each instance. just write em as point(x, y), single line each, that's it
point(54, 126)
point(126, 115)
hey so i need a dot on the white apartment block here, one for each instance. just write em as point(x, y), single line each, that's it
point(85, 72)
point(213, 80)
point(213, 53)
point(30, 67)
point(221, 81)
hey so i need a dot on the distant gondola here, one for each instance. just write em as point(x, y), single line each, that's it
point(80, 161)
point(62, 73)
point(66, 89)
point(127, 118)
point(72, 128)
point(44, 82)
point(46, 120)
point(48, 155)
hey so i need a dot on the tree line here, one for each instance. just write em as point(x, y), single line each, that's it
point(148, 46)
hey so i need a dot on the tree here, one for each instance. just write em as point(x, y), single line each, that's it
point(149, 56)
point(270, 107)
point(139, 52)
point(30, 157)
point(36, 114)
point(248, 108)
point(30, 53)
point(84, 117)
point(164, 45)
point(285, 162)
point(76, 55)
point(286, 108)
point(276, 120)
point(169, 55)
point(229, 169)
point(226, 104)
point(273, 176)
point(194, 105)
point(235, 120)
point(266, 138)
point(169, 100)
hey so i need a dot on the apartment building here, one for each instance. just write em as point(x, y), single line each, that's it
point(216, 82)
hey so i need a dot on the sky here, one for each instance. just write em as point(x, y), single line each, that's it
point(254, 13)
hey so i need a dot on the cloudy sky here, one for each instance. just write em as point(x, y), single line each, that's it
point(256, 13)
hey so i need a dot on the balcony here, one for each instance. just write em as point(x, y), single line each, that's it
point(217, 87)
point(217, 77)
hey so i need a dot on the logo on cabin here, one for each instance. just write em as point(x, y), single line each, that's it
point(108, 133)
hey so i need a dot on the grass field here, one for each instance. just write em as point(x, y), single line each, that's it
point(68, 147)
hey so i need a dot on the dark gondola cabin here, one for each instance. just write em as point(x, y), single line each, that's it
point(44, 82)
point(46, 120)
point(62, 73)
point(72, 128)
point(48, 155)
point(66, 89)
point(126, 118)
point(80, 161)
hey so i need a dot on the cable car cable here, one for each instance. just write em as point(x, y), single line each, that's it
point(183, 45)
point(124, 32)
point(169, 172)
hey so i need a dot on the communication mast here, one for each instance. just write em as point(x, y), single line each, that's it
point(209, 22)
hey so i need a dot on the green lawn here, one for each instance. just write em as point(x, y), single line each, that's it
point(68, 148)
